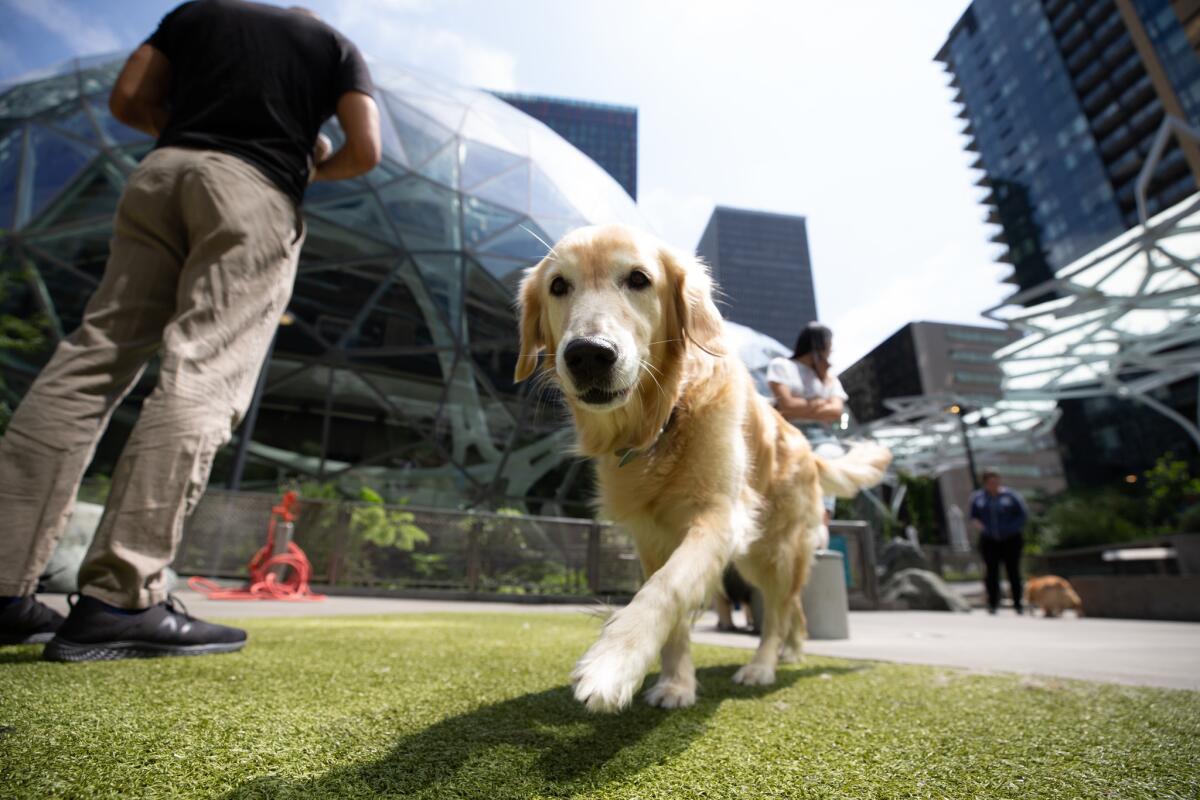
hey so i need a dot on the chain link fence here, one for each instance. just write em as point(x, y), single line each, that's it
point(385, 548)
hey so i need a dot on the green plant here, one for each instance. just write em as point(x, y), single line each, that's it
point(1170, 490)
point(920, 501)
point(1083, 518)
point(17, 335)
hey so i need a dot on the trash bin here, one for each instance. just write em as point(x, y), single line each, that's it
point(826, 607)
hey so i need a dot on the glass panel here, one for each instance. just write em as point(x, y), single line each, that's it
point(115, 132)
point(492, 327)
point(392, 147)
point(322, 192)
point(500, 118)
point(420, 135)
point(442, 166)
point(93, 196)
point(479, 127)
point(30, 99)
point(480, 162)
point(547, 200)
point(506, 270)
point(555, 229)
point(329, 243)
point(85, 250)
point(511, 189)
point(443, 280)
point(100, 77)
point(448, 113)
point(426, 214)
point(359, 212)
point(78, 124)
point(518, 244)
point(481, 220)
point(55, 162)
point(10, 171)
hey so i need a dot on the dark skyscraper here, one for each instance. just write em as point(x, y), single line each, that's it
point(1062, 100)
point(607, 134)
point(761, 262)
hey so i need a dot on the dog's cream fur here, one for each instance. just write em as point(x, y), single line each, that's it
point(716, 474)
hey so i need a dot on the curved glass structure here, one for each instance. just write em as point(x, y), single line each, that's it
point(395, 370)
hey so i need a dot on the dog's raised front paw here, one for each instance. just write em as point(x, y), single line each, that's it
point(790, 655)
point(605, 679)
point(667, 694)
point(755, 675)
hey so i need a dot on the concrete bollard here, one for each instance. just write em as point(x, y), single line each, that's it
point(826, 607)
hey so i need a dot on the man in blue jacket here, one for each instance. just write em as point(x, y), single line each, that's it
point(999, 514)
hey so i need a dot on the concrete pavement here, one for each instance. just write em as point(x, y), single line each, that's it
point(1138, 652)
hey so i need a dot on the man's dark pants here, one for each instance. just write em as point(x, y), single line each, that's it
point(1007, 550)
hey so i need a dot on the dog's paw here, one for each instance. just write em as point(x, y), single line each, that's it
point(668, 694)
point(755, 675)
point(790, 655)
point(605, 680)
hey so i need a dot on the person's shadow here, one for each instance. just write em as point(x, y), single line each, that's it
point(544, 743)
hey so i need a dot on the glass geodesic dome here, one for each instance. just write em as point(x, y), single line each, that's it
point(396, 369)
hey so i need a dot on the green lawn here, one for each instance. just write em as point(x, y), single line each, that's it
point(476, 706)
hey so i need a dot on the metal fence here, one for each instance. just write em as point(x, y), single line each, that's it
point(405, 549)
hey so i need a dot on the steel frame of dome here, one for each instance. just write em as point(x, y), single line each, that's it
point(1124, 321)
point(402, 335)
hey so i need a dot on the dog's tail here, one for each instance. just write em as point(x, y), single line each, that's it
point(860, 468)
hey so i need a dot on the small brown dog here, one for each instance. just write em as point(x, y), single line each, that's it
point(1053, 595)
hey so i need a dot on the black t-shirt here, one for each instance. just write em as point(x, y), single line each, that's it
point(255, 81)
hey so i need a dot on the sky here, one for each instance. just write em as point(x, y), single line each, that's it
point(832, 110)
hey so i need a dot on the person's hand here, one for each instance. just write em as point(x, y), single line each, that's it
point(322, 148)
point(321, 151)
point(976, 524)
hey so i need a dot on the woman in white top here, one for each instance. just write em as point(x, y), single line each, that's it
point(808, 395)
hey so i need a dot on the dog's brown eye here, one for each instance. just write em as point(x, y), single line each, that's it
point(559, 286)
point(638, 279)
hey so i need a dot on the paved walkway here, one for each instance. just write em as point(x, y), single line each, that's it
point(1134, 652)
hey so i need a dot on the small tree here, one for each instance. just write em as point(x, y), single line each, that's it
point(1171, 490)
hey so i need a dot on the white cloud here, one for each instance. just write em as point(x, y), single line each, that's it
point(678, 218)
point(83, 36)
point(934, 291)
point(388, 31)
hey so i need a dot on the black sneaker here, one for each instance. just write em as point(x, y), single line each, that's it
point(27, 621)
point(95, 631)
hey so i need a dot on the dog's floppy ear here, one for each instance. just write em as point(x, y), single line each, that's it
point(692, 287)
point(532, 337)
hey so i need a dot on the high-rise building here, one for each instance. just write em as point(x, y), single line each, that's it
point(1062, 100)
point(761, 262)
point(605, 133)
point(935, 358)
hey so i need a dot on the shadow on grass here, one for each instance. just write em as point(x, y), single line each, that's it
point(543, 743)
point(20, 654)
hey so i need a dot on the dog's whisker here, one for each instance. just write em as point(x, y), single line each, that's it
point(553, 256)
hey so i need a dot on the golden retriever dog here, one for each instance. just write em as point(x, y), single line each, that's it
point(690, 458)
point(1053, 595)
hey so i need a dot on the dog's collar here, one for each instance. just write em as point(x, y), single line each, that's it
point(627, 454)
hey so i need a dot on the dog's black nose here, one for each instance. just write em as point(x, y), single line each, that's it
point(590, 360)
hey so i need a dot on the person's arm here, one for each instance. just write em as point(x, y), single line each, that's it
point(976, 513)
point(139, 95)
point(359, 118)
point(792, 407)
point(1022, 514)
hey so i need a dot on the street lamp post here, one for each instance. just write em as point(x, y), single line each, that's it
point(960, 412)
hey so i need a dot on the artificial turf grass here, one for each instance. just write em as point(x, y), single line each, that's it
point(476, 706)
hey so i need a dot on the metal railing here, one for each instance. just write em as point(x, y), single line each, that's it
point(401, 549)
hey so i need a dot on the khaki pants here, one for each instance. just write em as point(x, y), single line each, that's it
point(202, 263)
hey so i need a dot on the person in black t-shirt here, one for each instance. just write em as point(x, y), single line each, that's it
point(205, 243)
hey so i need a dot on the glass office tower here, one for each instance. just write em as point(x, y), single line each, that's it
point(605, 133)
point(761, 263)
point(1062, 100)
